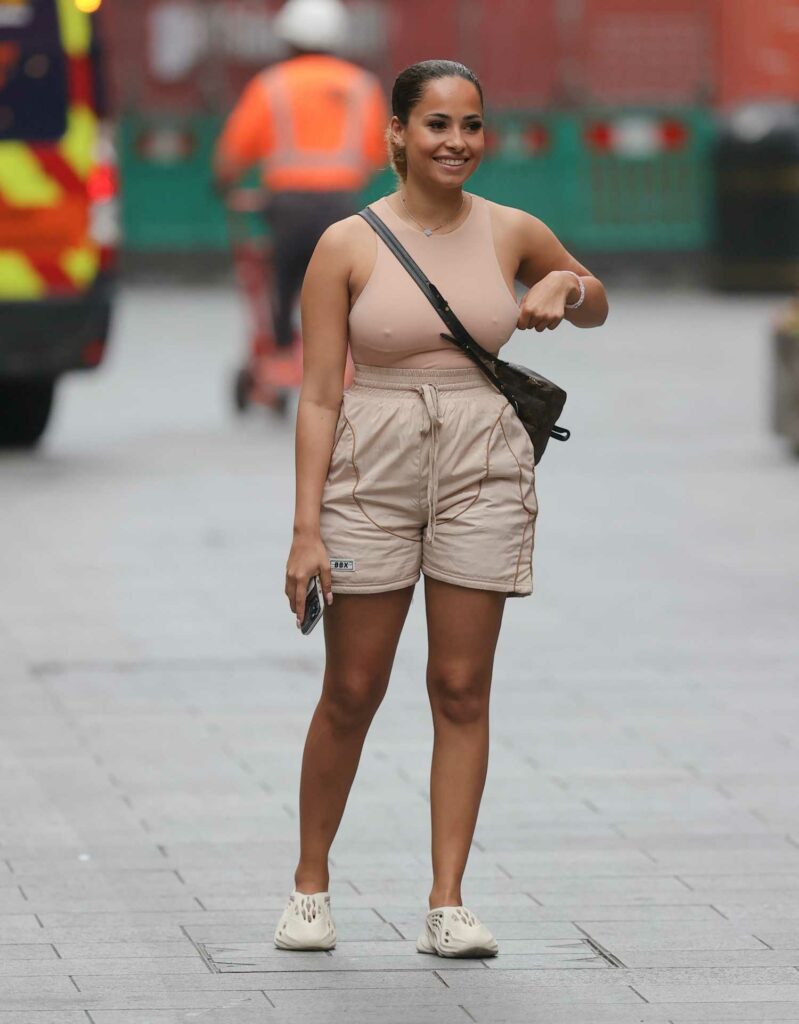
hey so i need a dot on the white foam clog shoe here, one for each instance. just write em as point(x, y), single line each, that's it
point(455, 931)
point(306, 923)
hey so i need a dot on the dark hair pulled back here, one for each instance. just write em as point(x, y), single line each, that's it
point(407, 91)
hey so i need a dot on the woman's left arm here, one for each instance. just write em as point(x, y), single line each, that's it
point(544, 263)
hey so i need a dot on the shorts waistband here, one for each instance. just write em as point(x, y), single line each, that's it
point(406, 379)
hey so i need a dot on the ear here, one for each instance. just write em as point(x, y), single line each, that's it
point(397, 131)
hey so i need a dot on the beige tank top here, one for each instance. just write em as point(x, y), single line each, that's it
point(392, 322)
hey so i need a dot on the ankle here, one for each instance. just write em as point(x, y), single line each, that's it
point(445, 898)
point(308, 883)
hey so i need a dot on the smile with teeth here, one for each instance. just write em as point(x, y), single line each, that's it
point(450, 161)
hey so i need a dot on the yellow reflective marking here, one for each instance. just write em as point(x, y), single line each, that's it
point(81, 265)
point(76, 29)
point(18, 279)
point(78, 145)
point(22, 180)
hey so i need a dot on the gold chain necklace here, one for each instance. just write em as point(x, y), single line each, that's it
point(429, 231)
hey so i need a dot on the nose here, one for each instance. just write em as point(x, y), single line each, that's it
point(455, 140)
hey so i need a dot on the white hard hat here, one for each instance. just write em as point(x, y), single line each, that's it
point(313, 24)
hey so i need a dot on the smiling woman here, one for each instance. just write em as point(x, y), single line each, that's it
point(422, 467)
point(408, 90)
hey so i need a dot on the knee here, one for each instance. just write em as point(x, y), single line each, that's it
point(458, 693)
point(350, 702)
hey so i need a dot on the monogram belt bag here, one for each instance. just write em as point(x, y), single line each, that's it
point(538, 402)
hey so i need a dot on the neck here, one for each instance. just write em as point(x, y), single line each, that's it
point(430, 204)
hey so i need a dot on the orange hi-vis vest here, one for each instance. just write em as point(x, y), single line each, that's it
point(312, 123)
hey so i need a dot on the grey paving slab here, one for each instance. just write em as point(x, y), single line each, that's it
point(709, 992)
point(424, 1014)
point(187, 964)
point(685, 935)
point(356, 931)
point(564, 994)
point(127, 948)
point(720, 1013)
point(508, 1011)
point(590, 888)
point(19, 927)
point(695, 958)
point(252, 1014)
point(779, 935)
point(312, 978)
point(329, 965)
point(43, 1017)
point(116, 931)
point(26, 951)
point(399, 955)
point(784, 883)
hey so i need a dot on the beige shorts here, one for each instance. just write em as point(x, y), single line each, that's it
point(431, 471)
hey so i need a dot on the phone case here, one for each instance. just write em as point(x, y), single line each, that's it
point(314, 605)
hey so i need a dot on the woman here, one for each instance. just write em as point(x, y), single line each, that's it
point(421, 467)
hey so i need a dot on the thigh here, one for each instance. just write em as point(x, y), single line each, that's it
point(361, 636)
point(463, 627)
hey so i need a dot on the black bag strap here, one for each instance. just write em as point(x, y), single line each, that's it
point(459, 335)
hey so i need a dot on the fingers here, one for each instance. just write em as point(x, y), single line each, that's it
point(299, 600)
point(295, 588)
point(327, 582)
point(540, 321)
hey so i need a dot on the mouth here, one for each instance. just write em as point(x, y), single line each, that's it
point(451, 161)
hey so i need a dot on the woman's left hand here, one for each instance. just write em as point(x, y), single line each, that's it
point(544, 305)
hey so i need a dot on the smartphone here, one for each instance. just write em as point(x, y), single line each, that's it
point(314, 605)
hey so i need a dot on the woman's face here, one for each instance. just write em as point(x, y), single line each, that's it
point(444, 140)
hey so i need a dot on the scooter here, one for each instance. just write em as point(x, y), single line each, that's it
point(269, 375)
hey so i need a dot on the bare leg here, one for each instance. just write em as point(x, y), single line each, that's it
point(463, 628)
point(361, 636)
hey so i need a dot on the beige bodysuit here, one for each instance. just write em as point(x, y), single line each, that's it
point(393, 324)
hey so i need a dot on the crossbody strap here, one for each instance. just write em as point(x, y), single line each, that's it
point(459, 335)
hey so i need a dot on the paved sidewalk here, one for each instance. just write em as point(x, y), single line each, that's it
point(637, 854)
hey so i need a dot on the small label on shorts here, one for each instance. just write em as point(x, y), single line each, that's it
point(342, 564)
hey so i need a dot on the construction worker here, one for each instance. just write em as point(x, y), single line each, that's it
point(316, 125)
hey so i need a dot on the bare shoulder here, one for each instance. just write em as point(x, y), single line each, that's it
point(516, 224)
point(340, 244)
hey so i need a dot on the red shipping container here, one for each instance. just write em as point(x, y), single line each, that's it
point(758, 44)
point(423, 30)
point(515, 49)
point(639, 51)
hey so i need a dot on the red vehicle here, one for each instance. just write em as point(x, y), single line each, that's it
point(58, 226)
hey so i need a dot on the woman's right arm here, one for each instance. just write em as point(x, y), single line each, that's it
point(325, 307)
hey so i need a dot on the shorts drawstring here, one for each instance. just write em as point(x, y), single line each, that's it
point(429, 393)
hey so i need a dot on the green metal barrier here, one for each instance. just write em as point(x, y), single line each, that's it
point(627, 198)
point(632, 179)
point(168, 203)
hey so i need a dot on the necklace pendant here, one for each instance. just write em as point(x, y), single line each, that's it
point(428, 231)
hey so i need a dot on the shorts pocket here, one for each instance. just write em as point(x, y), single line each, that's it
point(520, 446)
point(519, 441)
point(372, 468)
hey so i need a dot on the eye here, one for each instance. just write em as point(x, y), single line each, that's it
point(475, 126)
point(436, 124)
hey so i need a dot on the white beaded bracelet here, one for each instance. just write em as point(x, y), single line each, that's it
point(581, 283)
